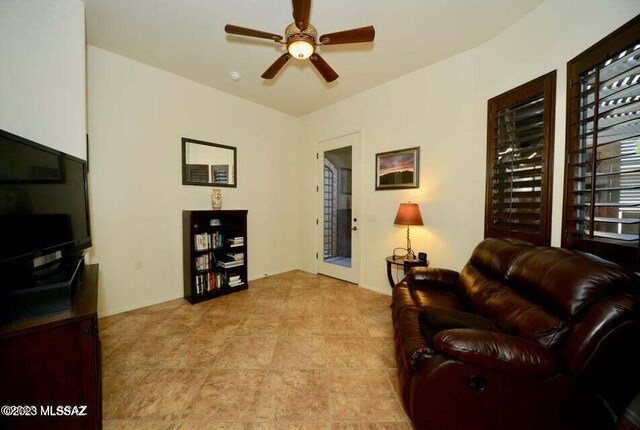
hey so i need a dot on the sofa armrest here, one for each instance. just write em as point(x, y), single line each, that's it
point(433, 277)
point(497, 351)
point(411, 346)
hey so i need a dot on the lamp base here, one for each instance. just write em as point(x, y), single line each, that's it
point(410, 254)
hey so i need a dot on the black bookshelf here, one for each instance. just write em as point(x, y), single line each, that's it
point(214, 253)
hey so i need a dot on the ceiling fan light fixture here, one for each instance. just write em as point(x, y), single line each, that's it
point(300, 49)
point(301, 39)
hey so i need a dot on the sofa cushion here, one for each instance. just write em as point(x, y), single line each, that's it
point(497, 351)
point(476, 287)
point(499, 301)
point(495, 256)
point(434, 277)
point(548, 275)
point(529, 318)
point(434, 320)
point(404, 296)
point(431, 297)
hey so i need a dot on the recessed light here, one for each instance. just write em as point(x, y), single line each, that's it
point(235, 75)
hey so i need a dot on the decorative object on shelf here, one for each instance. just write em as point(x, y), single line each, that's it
point(216, 198)
point(398, 169)
point(408, 214)
point(422, 256)
point(207, 164)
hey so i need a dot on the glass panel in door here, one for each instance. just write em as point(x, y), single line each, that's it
point(337, 208)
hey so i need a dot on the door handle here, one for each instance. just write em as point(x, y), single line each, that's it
point(354, 228)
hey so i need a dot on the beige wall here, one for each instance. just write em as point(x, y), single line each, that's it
point(42, 72)
point(137, 116)
point(442, 109)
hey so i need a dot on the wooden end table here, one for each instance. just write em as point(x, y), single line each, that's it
point(406, 264)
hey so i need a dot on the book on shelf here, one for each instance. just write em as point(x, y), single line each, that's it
point(206, 241)
point(208, 282)
point(236, 256)
point(211, 282)
point(233, 279)
point(236, 241)
point(205, 262)
point(229, 264)
point(201, 241)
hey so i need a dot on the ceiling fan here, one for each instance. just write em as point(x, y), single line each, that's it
point(301, 39)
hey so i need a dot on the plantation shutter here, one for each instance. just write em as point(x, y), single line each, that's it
point(602, 209)
point(519, 148)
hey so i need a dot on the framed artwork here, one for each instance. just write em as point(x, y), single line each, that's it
point(396, 170)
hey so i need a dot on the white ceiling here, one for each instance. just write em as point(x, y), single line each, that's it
point(187, 37)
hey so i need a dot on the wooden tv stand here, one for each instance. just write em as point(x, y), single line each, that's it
point(53, 361)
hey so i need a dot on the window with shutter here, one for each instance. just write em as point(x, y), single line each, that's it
point(602, 180)
point(519, 151)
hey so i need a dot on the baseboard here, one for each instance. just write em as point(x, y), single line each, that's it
point(111, 312)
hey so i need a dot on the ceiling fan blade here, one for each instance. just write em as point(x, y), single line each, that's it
point(276, 66)
point(241, 31)
point(356, 35)
point(325, 70)
point(301, 10)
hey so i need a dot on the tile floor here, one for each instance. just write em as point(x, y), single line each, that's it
point(295, 351)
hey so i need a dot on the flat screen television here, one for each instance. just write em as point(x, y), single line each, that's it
point(44, 213)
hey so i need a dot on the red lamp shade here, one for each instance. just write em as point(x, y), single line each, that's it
point(408, 214)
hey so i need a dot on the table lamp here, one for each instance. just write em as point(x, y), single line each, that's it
point(409, 214)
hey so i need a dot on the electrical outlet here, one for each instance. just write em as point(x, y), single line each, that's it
point(138, 265)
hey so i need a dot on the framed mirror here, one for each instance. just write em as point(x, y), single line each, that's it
point(208, 164)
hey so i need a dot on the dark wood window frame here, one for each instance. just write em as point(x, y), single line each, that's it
point(594, 58)
point(498, 203)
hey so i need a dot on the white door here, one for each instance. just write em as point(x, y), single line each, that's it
point(338, 252)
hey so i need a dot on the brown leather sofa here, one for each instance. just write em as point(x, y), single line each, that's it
point(523, 337)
